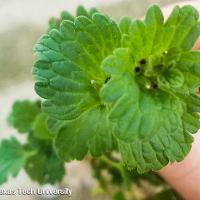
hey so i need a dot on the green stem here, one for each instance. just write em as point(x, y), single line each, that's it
point(126, 179)
point(118, 166)
point(111, 163)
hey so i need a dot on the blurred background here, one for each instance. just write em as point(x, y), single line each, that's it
point(21, 24)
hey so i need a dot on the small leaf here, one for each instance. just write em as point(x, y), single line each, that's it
point(90, 133)
point(118, 63)
point(154, 16)
point(193, 102)
point(172, 78)
point(13, 157)
point(169, 144)
point(40, 129)
point(68, 73)
point(45, 167)
point(140, 44)
point(153, 20)
point(81, 11)
point(191, 122)
point(23, 115)
point(185, 20)
point(54, 126)
point(190, 61)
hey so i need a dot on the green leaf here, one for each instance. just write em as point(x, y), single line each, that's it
point(173, 78)
point(153, 20)
point(68, 73)
point(185, 20)
point(40, 129)
point(193, 102)
point(45, 167)
point(124, 24)
point(192, 81)
point(170, 143)
point(54, 126)
point(191, 122)
point(133, 85)
point(66, 16)
point(154, 16)
point(149, 128)
point(154, 36)
point(23, 115)
point(13, 157)
point(146, 121)
point(190, 62)
point(138, 40)
point(118, 63)
point(148, 36)
point(81, 11)
point(54, 23)
point(89, 133)
point(37, 156)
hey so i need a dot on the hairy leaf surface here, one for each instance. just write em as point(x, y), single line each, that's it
point(68, 72)
point(134, 84)
point(90, 133)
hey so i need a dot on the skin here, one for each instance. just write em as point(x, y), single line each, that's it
point(184, 176)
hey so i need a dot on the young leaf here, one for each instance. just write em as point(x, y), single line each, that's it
point(173, 78)
point(190, 62)
point(37, 155)
point(23, 115)
point(91, 132)
point(54, 126)
point(54, 23)
point(185, 20)
point(13, 157)
point(81, 11)
point(40, 129)
point(45, 167)
point(131, 84)
point(169, 143)
point(124, 24)
point(67, 72)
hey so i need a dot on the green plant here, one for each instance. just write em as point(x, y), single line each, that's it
point(129, 88)
point(37, 155)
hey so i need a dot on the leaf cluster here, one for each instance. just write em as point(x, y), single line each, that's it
point(129, 86)
point(37, 155)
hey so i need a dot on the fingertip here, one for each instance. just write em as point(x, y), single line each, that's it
point(197, 44)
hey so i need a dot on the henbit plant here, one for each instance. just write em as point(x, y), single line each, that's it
point(129, 88)
point(38, 158)
point(37, 155)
